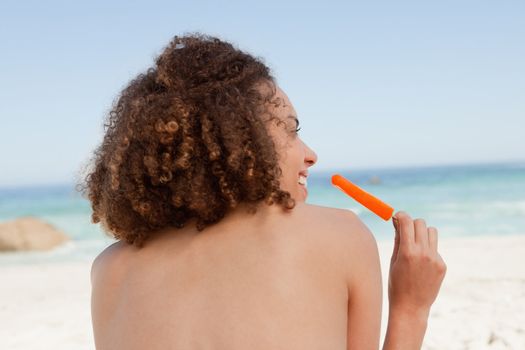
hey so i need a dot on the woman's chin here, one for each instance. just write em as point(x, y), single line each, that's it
point(303, 192)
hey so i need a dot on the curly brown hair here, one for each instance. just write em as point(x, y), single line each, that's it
point(186, 139)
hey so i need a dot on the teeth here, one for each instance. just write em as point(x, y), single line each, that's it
point(302, 180)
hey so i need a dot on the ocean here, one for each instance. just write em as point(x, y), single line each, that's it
point(459, 200)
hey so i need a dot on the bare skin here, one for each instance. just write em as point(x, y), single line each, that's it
point(274, 280)
point(308, 278)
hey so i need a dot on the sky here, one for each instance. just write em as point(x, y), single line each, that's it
point(376, 84)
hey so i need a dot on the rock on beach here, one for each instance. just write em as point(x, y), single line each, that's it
point(29, 233)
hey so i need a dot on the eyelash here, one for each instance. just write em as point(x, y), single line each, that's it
point(297, 130)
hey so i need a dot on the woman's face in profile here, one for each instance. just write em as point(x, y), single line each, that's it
point(295, 156)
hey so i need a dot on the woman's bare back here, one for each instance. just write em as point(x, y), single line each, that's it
point(274, 280)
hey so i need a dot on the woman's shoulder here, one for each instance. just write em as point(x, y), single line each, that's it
point(341, 229)
point(339, 238)
point(108, 263)
point(324, 211)
point(335, 231)
point(337, 220)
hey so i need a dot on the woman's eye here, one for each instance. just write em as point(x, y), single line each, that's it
point(297, 130)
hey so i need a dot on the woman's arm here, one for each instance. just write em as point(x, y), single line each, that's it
point(405, 330)
point(416, 272)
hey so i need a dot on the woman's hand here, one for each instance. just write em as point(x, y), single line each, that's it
point(416, 268)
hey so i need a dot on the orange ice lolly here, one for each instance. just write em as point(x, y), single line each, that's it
point(377, 206)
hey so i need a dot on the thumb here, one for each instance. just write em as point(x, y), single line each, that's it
point(396, 238)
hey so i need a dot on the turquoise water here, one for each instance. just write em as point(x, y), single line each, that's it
point(458, 200)
point(466, 200)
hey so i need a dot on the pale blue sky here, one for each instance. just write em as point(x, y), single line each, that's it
point(375, 83)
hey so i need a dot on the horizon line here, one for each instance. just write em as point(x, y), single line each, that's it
point(314, 171)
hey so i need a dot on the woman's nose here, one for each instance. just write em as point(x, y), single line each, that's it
point(311, 156)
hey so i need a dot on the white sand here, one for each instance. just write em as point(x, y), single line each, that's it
point(45, 307)
point(481, 304)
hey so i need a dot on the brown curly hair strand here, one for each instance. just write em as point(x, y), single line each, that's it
point(186, 139)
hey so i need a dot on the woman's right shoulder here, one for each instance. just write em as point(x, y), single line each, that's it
point(337, 220)
point(342, 232)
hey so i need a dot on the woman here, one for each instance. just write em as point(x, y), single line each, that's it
point(201, 177)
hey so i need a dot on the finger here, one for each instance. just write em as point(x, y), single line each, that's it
point(421, 234)
point(396, 238)
point(433, 238)
point(406, 230)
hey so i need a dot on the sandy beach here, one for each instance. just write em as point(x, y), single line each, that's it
point(481, 304)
